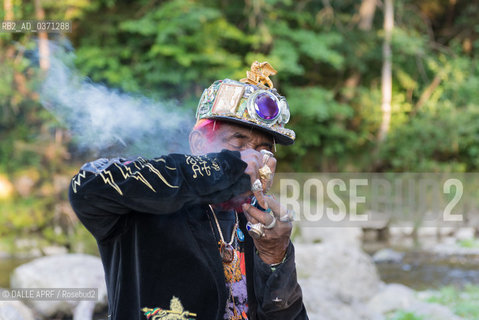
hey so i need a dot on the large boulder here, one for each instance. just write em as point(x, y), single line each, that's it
point(337, 280)
point(322, 304)
point(346, 271)
point(15, 310)
point(63, 271)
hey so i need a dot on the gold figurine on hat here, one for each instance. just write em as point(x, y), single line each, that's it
point(259, 74)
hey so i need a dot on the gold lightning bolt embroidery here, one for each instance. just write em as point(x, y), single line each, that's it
point(158, 173)
point(126, 172)
point(77, 182)
point(143, 163)
point(110, 180)
point(135, 175)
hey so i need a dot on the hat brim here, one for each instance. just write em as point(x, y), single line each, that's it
point(279, 137)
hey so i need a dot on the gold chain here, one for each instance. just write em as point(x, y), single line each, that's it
point(231, 297)
point(219, 228)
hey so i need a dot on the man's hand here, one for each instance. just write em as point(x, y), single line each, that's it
point(273, 245)
point(254, 159)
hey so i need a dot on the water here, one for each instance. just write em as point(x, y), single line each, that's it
point(426, 276)
point(422, 269)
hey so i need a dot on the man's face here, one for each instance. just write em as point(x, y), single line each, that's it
point(233, 137)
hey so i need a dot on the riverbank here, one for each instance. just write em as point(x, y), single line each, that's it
point(356, 279)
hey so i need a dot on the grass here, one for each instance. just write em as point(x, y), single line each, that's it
point(463, 302)
point(404, 315)
point(469, 243)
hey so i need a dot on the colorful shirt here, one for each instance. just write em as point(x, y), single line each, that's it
point(235, 276)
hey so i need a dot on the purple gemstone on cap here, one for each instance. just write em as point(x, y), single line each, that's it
point(266, 107)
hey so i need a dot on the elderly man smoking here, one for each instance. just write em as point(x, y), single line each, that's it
point(178, 236)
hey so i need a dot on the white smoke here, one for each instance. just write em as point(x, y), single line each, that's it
point(107, 121)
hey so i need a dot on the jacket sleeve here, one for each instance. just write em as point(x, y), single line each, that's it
point(278, 293)
point(105, 191)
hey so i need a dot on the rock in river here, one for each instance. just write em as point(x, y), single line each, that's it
point(337, 280)
point(388, 255)
point(63, 271)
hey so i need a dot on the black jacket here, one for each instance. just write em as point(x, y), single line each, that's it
point(150, 219)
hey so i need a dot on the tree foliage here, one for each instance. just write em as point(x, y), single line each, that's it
point(328, 67)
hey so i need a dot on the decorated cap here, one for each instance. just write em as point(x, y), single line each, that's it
point(252, 101)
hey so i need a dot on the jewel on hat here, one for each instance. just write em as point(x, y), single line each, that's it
point(266, 107)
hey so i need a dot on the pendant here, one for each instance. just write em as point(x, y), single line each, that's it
point(240, 234)
point(226, 252)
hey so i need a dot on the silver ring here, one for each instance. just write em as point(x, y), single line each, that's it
point(288, 217)
point(272, 224)
point(255, 230)
point(266, 155)
point(257, 185)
